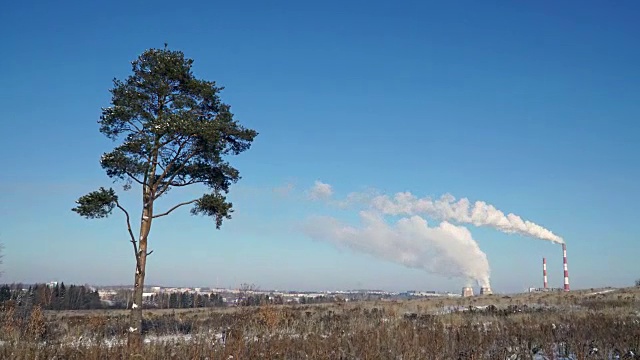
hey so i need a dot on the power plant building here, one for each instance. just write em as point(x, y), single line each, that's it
point(485, 291)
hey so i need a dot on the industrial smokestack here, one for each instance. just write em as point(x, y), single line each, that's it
point(544, 273)
point(566, 270)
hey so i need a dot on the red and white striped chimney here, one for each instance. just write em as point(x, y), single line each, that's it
point(544, 272)
point(566, 270)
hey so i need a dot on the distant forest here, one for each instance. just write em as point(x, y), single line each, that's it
point(183, 300)
point(79, 297)
point(58, 297)
point(82, 297)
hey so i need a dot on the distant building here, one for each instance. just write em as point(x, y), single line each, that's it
point(106, 294)
point(537, 290)
point(485, 291)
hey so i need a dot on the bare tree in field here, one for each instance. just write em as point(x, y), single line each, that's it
point(173, 131)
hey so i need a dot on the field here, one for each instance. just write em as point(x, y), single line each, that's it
point(590, 324)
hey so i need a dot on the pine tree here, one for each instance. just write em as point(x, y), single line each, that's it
point(64, 304)
point(5, 293)
point(174, 131)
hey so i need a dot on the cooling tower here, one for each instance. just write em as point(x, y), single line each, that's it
point(485, 291)
point(467, 291)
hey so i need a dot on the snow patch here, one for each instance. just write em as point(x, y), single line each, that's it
point(601, 292)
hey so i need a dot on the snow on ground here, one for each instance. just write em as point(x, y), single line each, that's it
point(602, 292)
point(219, 338)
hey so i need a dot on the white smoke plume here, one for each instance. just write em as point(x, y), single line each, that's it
point(461, 211)
point(446, 249)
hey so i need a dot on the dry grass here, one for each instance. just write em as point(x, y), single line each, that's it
point(514, 326)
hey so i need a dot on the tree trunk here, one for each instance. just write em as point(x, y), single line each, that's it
point(135, 325)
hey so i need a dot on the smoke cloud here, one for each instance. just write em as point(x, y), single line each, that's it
point(446, 249)
point(461, 211)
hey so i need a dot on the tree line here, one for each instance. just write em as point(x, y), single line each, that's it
point(58, 297)
point(80, 297)
point(183, 300)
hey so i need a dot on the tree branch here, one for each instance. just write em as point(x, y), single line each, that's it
point(134, 178)
point(186, 183)
point(138, 130)
point(175, 158)
point(170, 140)
point(164, 189)
point(133, 238)
point(173, 208)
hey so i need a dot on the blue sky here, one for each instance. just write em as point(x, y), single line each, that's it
point(531, 107)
